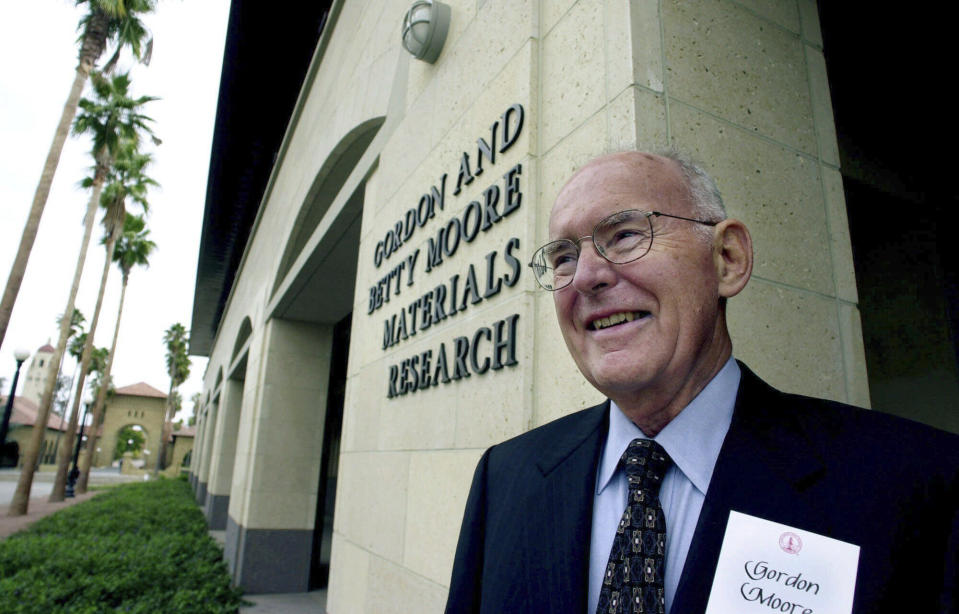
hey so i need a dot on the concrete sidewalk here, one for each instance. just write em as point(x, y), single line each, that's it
point(38, 506)
point(291, 603)
point(37, 509)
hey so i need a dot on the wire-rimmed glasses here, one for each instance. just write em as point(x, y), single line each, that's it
point(620, 238)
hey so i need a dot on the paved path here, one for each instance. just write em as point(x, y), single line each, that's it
point(39, 492)
point(37, 509)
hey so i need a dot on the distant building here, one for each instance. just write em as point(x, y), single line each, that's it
point(39, 373)
point(23, 420)
point(179, 452)
point(140, 405)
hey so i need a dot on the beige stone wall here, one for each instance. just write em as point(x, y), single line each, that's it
point(23, 434)
point(223, 453)
point(123, 410)
point(277, 464)
point(182, 446)
point(208, 429)
point(740, 85)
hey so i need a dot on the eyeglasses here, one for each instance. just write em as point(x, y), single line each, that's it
point(620, 238)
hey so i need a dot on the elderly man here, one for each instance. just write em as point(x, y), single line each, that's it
point(638, 504)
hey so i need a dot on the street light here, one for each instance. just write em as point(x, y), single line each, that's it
point(20, 355)
point(424, 29)
point(74, 474)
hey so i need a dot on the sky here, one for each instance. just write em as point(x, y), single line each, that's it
point(38, 43)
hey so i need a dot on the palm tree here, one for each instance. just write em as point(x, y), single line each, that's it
point(112, 117)
point(196, 399)
point(106, 21)
point(132, 248)
point(178, 368)
point(98, 361)
point(127, 179)
point(61, 392)
point(74, 348)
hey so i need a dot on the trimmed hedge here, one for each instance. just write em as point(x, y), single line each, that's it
point(140, 547)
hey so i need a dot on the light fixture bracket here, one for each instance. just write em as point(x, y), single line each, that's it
point(424, 29)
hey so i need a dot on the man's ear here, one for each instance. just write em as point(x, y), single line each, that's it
point(733, 256)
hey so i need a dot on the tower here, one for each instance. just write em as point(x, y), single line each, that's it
point(39, 373)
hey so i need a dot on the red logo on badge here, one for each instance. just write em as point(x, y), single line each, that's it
point(790, 543)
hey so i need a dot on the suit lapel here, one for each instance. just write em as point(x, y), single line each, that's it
point(766, 468)
point(558, 542)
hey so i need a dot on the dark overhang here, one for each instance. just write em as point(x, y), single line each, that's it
point(266, 56)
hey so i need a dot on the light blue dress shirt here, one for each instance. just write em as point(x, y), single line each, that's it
point(693, 440)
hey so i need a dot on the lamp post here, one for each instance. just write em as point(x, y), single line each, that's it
point(70, 489)
point(20, 355)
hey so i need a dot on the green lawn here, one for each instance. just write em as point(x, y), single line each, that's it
point(139, 547)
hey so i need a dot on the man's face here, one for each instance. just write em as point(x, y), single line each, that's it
point(671, 294)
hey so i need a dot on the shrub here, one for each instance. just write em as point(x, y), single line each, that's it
point(140, 547)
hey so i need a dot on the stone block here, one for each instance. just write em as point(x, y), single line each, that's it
point(573, 86)
point(647, 44)
point(735, 65)
point(456, 130)
point(296, 428)
point(495, 405)
point(365, 398)
point(551, 12)
point(285, 509)
point(426, 419)
point(394, 589)
point(557, 165)
point(809, 20)
point(439, 484)
point(371, 499)
point(790, 338)
point(637, 120)
point(854, 356)
point(840, 243)
point(822, 107)
point(776, 192)
point(781, 12)
point(616, 39)
point(469, 67)
point(349, 577)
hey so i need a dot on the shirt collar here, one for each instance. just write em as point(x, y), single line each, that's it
point(692, 439)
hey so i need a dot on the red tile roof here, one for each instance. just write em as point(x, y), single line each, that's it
point(25, 413)
point(186, 431)
point(141, 389)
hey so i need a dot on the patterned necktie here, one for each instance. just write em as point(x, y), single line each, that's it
point(633, 581)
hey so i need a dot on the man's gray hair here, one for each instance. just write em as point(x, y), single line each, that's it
point(703, 192)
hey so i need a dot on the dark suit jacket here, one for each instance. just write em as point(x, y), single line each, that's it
point(888, 485)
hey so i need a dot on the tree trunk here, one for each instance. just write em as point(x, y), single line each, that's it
point(21, 498)
point(87, 459)
point(164, 435)
point(19, 267)
point(66, 452)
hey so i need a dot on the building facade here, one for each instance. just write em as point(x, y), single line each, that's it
point(375, 328)
point(23, 419)
point(137, 405)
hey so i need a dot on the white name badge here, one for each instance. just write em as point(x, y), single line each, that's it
point(767, 567)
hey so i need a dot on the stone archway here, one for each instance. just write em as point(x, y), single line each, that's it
point(284, 480)
point(223, 451)
point(132, 437)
